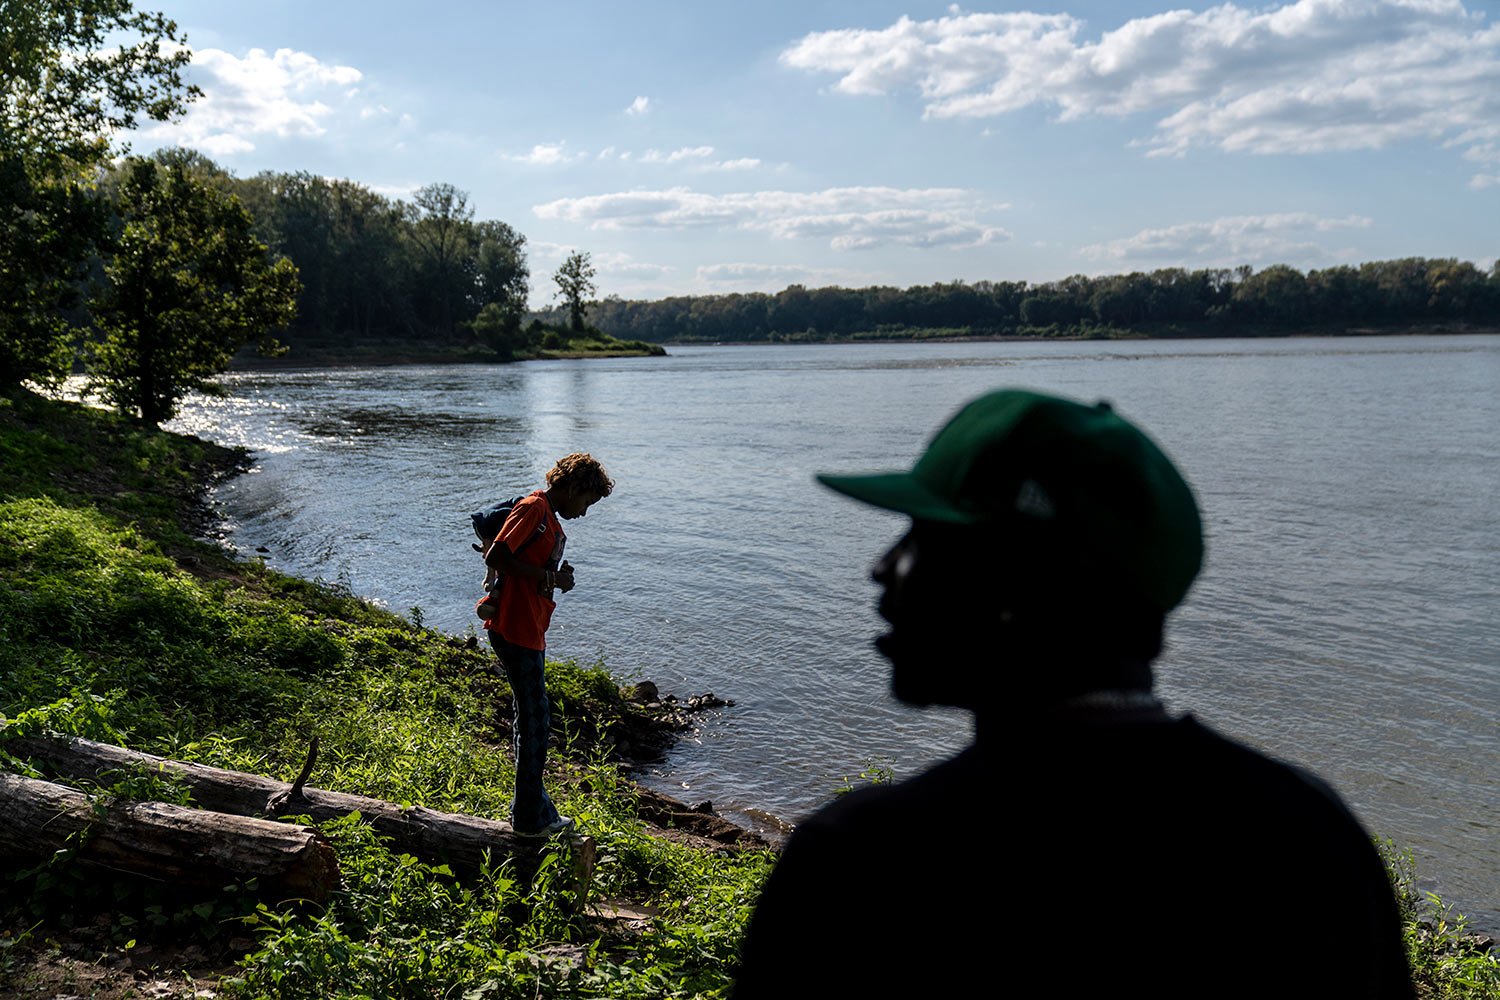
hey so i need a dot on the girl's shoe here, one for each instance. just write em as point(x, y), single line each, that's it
point(556, 826)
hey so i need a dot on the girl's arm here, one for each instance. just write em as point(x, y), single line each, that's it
point(499, 556)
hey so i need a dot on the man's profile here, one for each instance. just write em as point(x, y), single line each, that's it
point(1088, 842)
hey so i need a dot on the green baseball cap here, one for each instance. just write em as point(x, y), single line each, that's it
point(1014, 456)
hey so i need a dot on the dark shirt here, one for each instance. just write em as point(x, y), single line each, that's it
point(1082, 858)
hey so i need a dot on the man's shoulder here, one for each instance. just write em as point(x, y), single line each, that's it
point(1257, 767)
point(1176, 768)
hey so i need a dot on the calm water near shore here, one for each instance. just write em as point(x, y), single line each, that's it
point(1346, 620)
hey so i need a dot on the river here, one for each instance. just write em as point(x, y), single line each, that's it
point(1346, 618)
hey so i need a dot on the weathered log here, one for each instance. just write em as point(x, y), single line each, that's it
point(190, 847)
point(454, 839)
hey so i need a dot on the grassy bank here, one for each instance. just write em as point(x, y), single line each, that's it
point(117, 625)
point(545, 344)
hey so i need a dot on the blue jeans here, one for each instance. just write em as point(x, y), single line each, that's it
point(530, 809)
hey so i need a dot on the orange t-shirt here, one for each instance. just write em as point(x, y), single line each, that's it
point(525, 609)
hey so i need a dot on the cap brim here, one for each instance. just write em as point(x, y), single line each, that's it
point(900, 492)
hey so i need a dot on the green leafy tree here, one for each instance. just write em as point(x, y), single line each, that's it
point(575, 284)
point(347, 242)
point(188, 284)
point(498, 327)
point(500, 270)
point(365, 277)
point(47, 231)
point(442, 227)
point(78, 72)
point(76, 75)
point(1276, 294)
point(500, 288)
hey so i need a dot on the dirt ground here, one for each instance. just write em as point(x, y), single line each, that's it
point(71, 970)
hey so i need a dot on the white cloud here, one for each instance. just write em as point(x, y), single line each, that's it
point(696, 157)
point(1283, 238)
point(848, 218)
point(700, 157)
point(639, 106)
point(677, 155)
point(1309, 76)
point(775, 277)
point(543, 250)
point(618, 273)
point(623, 264)
point(396, 192)
point(1486, 152)
point(285, 93)
point(545, 154)
point(545, 255)
point(219, 144)
point(752, 272)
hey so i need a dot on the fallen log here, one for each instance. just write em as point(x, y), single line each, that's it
point(454, 839)
point(165, 842)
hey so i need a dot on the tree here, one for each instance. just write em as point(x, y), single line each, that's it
point(76, 74)
point(349, 247)
point(499, 328)
point(442, 228)
point(500, 271)
point(188, 284)
point(1276, 294)
point(47, 231)
point(575, 284)
point(79, 72)
point(500, 287)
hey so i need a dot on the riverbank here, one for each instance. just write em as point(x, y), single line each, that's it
point(1056, 333)
point(223, 662)
point(316, 354)
point(388, 353)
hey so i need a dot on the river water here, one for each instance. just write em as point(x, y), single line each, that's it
point(1346, 618)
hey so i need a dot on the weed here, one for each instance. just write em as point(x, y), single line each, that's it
point(877, 771)
point(1447, 961)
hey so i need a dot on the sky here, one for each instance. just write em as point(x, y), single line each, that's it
point(705, 146)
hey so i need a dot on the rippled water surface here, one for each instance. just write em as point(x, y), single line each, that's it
point(1347, 617)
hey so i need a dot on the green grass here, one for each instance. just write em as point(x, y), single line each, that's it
point(1448, 961)
point(116, 625)
point(590, 342)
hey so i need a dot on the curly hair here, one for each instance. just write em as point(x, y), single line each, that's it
point(580, 471)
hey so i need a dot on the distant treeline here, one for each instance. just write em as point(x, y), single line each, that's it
point(379, 269)
point(1166, 302)
point(375, 268)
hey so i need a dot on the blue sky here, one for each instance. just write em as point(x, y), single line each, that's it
point(696, 146)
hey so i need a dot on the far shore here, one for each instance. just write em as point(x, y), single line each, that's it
point(386, 354)
point(408, 354)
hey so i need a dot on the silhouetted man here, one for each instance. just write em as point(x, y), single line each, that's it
point(1088, 843)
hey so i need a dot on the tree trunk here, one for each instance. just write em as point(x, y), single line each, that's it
point(165, 842)
point(454, 839)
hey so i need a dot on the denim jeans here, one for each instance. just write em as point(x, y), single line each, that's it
point(531, 809)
